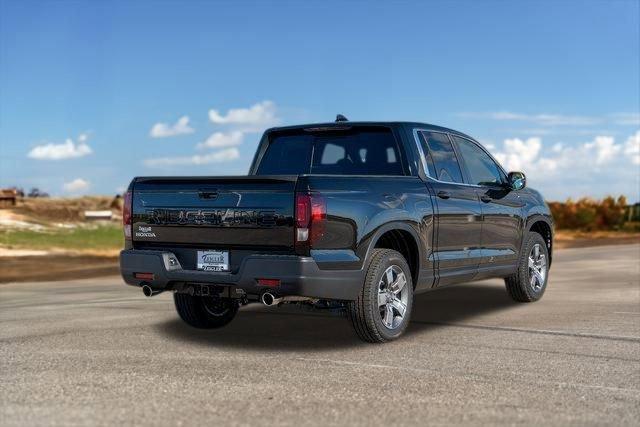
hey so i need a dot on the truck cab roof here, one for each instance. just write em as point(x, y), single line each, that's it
point(347, 124)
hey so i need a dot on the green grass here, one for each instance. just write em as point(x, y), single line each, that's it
point(99, 238)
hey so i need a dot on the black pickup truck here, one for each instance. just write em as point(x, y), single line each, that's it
point(357, 216)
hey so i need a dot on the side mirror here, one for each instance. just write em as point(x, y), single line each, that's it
point(517, 180)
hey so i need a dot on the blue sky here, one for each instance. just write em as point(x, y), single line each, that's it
point(94, 93)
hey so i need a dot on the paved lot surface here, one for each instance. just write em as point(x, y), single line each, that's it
point(97, 352)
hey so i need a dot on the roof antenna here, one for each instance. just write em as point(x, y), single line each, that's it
point(341, 118)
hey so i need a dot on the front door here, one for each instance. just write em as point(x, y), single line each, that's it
point(501, 227)
point(501, 206)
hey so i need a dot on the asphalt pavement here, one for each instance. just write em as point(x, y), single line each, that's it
point(96, 352)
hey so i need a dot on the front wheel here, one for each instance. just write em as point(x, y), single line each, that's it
point(530, 281)
point(205, 312)
point(383, 309)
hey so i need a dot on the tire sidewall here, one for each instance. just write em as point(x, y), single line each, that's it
point(192, 310)
point(217, 320)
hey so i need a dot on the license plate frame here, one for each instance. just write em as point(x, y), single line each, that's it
point(213, 260)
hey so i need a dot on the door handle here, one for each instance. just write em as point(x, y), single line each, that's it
point(210, 195)
point(486, 198)
point(444, 194)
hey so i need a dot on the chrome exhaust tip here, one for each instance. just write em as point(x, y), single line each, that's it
point(269, 299)
point(148, 291)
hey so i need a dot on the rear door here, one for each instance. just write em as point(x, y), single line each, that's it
point(458, 213)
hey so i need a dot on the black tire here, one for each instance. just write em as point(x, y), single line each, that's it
point(205, 312)
point(365, 311)
point(519, 285)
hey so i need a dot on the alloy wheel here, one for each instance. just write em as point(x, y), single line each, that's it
point(393, 297)
point(537, 267)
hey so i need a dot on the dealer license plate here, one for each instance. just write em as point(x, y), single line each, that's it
point(213, 260)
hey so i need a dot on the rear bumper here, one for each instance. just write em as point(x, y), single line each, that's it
point(299, 276)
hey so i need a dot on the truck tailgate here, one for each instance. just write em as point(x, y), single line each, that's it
point(214, 212)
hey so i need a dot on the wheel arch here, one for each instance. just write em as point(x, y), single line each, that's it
point(544, 226)
point(403, 238)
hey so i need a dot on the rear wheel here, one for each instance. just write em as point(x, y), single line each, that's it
point(205, 312)
point(383, 309)
point(530, 281)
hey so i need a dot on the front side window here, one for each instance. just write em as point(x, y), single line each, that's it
point(442, 162)
point(481, 167)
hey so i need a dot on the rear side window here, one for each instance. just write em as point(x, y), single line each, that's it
point(441, 158)
point(354, 152)
point(481, 167)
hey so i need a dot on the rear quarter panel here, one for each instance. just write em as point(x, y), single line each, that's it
point(361, 208)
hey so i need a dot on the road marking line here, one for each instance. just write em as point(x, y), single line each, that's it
point(472, 376)
point(536, 331)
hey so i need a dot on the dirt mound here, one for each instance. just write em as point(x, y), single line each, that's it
point(62, 209)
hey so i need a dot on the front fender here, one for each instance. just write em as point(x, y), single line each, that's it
point(536, 217)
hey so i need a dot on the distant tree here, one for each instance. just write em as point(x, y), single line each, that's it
point(36, 192)
point(633, 212)
point(117, 202)
point(588, 214)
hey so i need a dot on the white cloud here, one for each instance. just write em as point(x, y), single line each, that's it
point(594, 168)
point(542, 119)
point(626, 118)
point(518, 153)
point(546, 119)
point(66, 150)
point(226, 155)
point(220, 140)
point(632, 148)
point(256, 117)
point(604, 147)
point(236, 122)
point(78, 185)
point(164, 130)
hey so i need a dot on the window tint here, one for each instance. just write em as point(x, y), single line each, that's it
point(332, 154)
point(482, 169)
point(356, 153)
point(442, 162)
point(353, 152)
point(391, 155)
point(287, 155)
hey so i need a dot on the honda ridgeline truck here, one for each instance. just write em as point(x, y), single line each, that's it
point(359, 216)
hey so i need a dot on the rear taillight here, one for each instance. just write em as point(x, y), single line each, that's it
point(144, 276)
point(311, 216)
point(126, 215)
point(318, 218)
point(272, 283)
point(303, 217)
